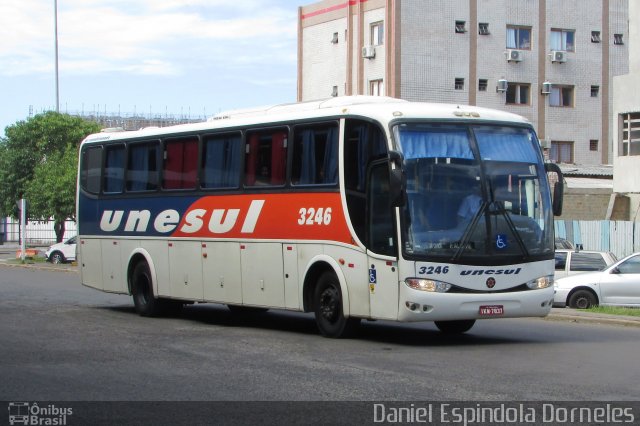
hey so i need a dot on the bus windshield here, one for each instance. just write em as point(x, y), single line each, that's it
point(475, 194)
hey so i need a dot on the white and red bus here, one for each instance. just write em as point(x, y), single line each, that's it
point(351, 208)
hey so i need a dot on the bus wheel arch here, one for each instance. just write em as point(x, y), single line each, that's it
point(316, 268)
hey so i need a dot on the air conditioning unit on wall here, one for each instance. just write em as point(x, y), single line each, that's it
point(514, 55)
point(558, 56)
point(369, 52)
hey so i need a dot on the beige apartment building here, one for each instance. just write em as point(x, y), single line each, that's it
point(626, 124)
point(552, 61)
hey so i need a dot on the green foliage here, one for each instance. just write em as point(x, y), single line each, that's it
point(38, 161)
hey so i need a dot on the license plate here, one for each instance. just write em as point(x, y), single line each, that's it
point(491, 310)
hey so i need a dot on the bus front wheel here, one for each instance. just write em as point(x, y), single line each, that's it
point(330, 318)
point(455, 327)
point(142, 291)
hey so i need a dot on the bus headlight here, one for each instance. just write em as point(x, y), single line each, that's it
point(542, 282)
point(427, 285)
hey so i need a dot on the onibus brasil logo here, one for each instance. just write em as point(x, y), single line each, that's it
point(25, 413)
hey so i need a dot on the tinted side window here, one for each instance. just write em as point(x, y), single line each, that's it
point(180, 167)
point(221, 156)
point(631, 266)
point(266, 157)
point(587, 262)
point(142, 169)
point(91, 169)
point(114, 169)
point(561, 261)
point(364, 143)
point(315, 155)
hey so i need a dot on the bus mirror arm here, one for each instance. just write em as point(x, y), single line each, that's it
point(558, 189)
point(397, 179)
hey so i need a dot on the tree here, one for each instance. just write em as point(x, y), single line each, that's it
point(38, 161)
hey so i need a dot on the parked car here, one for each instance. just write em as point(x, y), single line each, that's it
point(62, 252)
point(571, 262)
point(617, 285)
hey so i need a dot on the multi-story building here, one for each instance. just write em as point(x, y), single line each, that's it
point(626, 122)
point(551, 61)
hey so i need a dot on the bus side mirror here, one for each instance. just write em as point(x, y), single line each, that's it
point(558, 188)
point(397, 179)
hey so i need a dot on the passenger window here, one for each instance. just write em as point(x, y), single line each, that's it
point(114, 169)
point(91, 169)
point(180, 167)
point(221, 155)
point(381, 230)
point(142, 170)
point(315, 155)
point(266, 157)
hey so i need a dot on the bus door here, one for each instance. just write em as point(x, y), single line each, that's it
point(381, 244)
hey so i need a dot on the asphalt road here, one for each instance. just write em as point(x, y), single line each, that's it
point(60, 341)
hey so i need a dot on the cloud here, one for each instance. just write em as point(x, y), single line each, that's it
point(161, 37)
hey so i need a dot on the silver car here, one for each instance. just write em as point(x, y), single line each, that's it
point(617, 285)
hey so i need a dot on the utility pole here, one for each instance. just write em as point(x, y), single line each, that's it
point(55, 27)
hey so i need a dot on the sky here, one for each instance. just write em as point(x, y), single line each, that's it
point(190, 58)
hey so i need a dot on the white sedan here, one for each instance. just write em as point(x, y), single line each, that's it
point(618, 285)
point(62, 252)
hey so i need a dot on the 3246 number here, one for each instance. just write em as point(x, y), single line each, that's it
point(313, 216)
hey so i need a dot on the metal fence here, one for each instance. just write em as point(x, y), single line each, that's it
point(37, 232)
point(619, 237)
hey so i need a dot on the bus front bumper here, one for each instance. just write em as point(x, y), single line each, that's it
point(417, 305)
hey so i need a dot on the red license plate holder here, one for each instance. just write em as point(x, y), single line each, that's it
point(491, 310)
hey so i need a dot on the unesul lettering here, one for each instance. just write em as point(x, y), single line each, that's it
point(220, 222)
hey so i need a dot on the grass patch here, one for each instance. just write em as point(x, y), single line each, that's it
point(614, 310)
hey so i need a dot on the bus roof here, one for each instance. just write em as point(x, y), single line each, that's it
point(381, 108)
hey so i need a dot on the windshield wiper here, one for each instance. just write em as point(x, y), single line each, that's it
point(466, 237)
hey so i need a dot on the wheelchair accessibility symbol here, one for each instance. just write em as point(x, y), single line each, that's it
point(501, 241)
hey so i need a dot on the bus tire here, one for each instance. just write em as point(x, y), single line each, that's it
point(327, 302)
point(455, 327)
point(582, 299)
point(147, 305)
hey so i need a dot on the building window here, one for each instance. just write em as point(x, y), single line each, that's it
point(617, 39)
point(376, 88)
point(518, 93)
point(483, 83)
point(630, 133)
point(459, 84)
point(377, 33)
point(561, 96)
point(593, 145)
point(334, 39)
point(561, 152)
point(563, 40)
point(595, 36)
point(483, 28)
point(334, 91)
point(461, 27)
point(595, 91)
point(518, 37)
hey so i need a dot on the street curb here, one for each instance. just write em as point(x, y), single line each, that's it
point(587, 317)
point(40, 267)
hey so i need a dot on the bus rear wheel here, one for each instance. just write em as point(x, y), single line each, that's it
point(455, 327)
point(327, 300)
point(147, 305)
